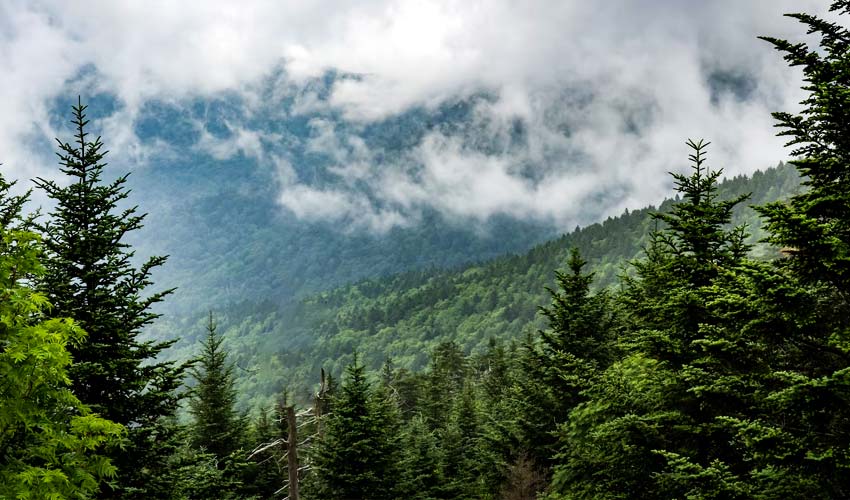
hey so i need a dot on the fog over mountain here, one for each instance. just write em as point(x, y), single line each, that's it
point(354, 121)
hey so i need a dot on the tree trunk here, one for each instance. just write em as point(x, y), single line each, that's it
point(292, 452)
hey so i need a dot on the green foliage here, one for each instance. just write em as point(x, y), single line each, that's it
point(664, 297)
point(608, 441)
point(49, 441)
point(89, 277)
point(216, 428)
point(815, 224)
point(811, 386)
point(202, 476)
point(265, 471)
point(714, 371)
point(697, 236)
point(443, 383)
point(566, 359)
point(358, 455)
point(406, 316)
point(460, 445)
point(686, 306)
point(421, 476)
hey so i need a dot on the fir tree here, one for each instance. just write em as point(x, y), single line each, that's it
point(814, 226)
point(690, 249)
point(443, 382)
point(358, 455)
point(420, 463)
point(564, 360)
point(266, 475)
point(811, 420)
point(89, 276)
point(652, 425)
point(460, 464)
point(217, 427)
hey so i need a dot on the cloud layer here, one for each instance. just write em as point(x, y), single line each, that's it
point(585, 107)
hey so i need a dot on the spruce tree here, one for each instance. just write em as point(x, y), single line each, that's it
point(811, 401)
point(460, 463)
point(358, 455)
point(656, 424)
point(566, 358)
point(814, 226)
point(443, 382)
point(90, 277)
point(266, 469)
point(217, 428)
point(421, 478)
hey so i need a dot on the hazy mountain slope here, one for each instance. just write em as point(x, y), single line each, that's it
point(404, 316)
point(212, 186)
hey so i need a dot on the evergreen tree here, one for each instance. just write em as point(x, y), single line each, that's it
point(566, 359)
point(89, 276)
point(811, 398)
point(460, 444)
point(607, 445)
point(265, 473)
point(506, 396)
point(421, 478)
point(216, 433)
point(814, 226)
point(49, 441)
point(358, 455)
point(217, 427)
point(663, 433)
point(443, 382)
point(495, 368)
point(692, 247)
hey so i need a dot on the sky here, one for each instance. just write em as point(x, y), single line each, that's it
point(606, 93)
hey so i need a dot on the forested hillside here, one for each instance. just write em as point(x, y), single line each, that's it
point(695, 350)
point(214, 180)
point(403, 317)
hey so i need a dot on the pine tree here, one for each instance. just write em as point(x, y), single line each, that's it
point(656, 424)
point(443, 382)
point(690, 249)
point(556, 367)
point(49, 441)
point(578, 344)
point(421, 478)
point(89, 276)
point(607, 445)
point(460, 463)
point(814, 226)
point(811, 397)
point(217, 427)
point(358, 455)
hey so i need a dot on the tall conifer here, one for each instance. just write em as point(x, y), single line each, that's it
point(649, 427)
point(811, 405)
point(358, 456)
point(90, 277)
point(217, 428)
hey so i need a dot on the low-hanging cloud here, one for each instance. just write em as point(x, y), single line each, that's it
point(587, 104)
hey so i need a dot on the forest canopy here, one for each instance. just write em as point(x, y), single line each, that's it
point(703, 370)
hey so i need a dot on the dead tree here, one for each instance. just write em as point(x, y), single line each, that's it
point(292, 452)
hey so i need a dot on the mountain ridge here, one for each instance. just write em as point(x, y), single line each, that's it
point(282, 346)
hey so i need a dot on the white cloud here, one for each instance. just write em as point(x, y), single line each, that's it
point(354, 211)
point(606, 92)
point(240, 141)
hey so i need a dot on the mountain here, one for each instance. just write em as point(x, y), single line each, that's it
point(282, 345)
point(212, 188)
